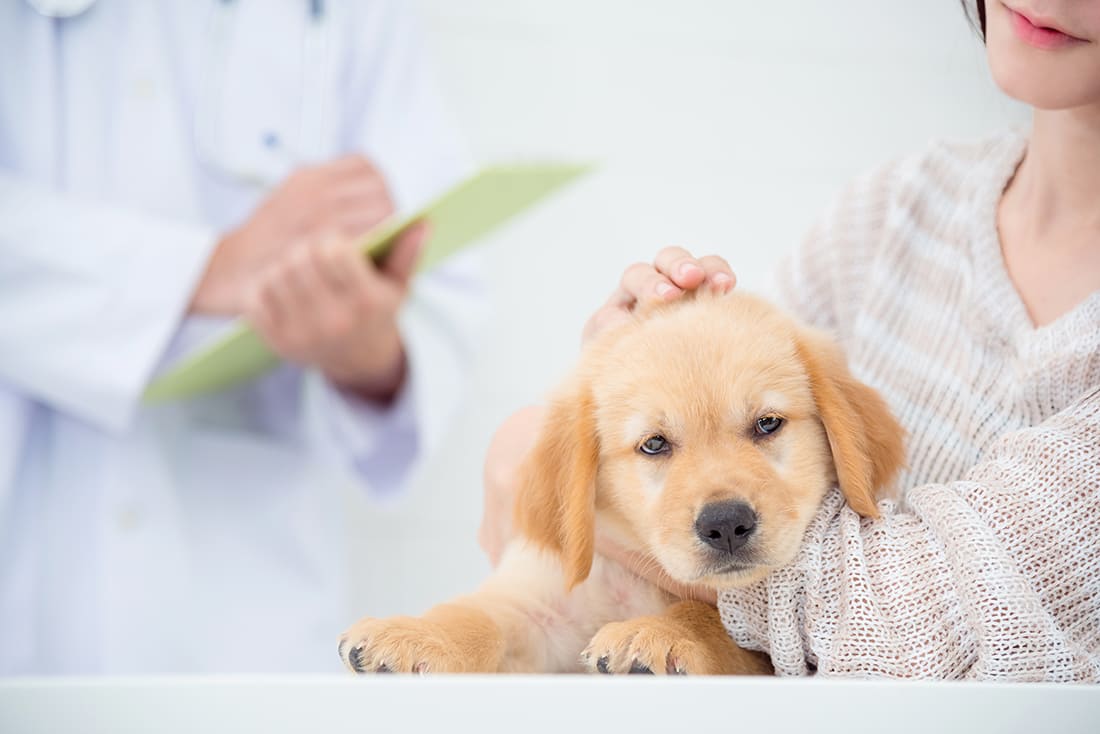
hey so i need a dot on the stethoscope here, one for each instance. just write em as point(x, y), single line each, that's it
point(210, 149)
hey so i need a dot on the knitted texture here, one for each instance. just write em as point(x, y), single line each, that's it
point(987, 563)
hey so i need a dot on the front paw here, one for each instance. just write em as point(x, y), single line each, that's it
point(649, 645)
point(399, 645)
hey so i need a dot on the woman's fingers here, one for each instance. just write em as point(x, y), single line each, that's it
point(606, 317)
point(643, 283)
point(673, 272)
point(681, 267)
point(720, 275)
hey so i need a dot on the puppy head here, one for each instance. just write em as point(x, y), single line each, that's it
point(705, 434)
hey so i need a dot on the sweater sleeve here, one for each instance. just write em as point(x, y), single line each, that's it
point(993, 577)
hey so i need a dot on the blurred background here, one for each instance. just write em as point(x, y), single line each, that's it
point(720, 125)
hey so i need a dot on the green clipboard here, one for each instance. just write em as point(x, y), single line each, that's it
point(457, 218)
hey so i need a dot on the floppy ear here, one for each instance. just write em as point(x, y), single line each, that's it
point(865, 438)
point(556, 505)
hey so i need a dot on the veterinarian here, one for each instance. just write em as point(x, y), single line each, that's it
point(165, 167)
point(964, 282)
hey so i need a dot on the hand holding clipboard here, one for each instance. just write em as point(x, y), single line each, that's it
point(457, 218)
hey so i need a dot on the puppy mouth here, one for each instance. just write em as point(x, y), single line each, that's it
point(727, 570)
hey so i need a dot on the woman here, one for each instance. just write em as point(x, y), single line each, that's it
point(964, 283)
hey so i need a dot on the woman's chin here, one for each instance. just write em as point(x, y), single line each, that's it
point(1046, 80)
point(1054, 92)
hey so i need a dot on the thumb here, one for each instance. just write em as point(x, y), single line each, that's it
point(401, 260)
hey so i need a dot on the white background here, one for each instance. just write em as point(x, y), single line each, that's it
point(721, 125)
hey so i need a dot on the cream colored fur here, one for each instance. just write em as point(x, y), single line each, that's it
point(700, 375)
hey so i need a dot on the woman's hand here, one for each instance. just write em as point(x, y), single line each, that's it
point(673, 272)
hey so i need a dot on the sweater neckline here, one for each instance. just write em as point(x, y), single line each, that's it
point(1000, 301)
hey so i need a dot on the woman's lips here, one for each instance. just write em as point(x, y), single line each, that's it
point(1033, 33)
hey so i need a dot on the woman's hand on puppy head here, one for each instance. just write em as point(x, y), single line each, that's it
point(672, 273)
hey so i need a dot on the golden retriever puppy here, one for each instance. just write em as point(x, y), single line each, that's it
point(704, 435)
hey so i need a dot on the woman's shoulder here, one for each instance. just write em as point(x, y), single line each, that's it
point(930, 204)
point(944, 173)
point(998, 147)
point(942, 194)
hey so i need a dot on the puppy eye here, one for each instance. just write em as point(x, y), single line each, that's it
point(655, 445)
point(768, 424)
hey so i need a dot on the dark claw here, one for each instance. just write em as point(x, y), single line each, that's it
point(355, 661)
point(601, 665)
point(383, 668)
point(637, 668)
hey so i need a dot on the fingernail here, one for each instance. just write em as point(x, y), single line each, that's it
point(664, 290)
point(689, 269)
point(722, 280)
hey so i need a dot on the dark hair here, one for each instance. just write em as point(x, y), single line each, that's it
point(977, 18)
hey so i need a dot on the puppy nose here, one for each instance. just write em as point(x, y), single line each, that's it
point(726, 525)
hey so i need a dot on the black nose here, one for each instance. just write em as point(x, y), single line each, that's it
point(726, 525)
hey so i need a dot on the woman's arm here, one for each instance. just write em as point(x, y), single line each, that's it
point(994, 577)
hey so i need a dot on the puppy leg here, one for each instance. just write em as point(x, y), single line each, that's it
point(688, 638)
point(522, 620)
point(459, 637)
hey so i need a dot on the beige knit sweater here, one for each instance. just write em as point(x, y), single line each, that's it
point(989, 565)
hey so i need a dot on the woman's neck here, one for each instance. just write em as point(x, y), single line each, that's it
point(1058, 182)
point(1049, 217)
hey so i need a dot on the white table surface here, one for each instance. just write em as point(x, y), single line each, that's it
point(532, 704)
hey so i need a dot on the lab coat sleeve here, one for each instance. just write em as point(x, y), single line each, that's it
point(398, 119)
point(90, 295)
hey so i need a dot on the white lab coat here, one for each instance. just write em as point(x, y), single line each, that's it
point(208, 535)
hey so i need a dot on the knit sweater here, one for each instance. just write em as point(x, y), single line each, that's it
point(987, 565)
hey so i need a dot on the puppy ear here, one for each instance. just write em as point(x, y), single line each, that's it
point(865, 438)
point(556, 506)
